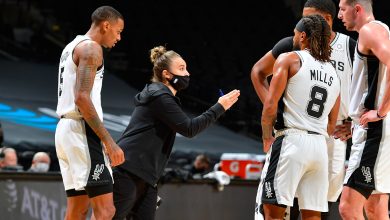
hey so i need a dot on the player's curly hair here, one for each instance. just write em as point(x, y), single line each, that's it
point(161, 60)
point(318, 37)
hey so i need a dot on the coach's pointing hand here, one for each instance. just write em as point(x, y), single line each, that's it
point(229, 99)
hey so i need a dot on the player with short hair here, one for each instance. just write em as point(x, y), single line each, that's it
point(367, 174)
point(81, 139)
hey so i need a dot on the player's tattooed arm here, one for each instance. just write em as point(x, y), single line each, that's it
point(89, 59)
point(267, 126)
point(267, 123)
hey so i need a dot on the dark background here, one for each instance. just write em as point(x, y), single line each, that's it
point(220, 41)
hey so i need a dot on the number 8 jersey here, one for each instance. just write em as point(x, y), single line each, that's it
point(67, 83)
point(309, 96)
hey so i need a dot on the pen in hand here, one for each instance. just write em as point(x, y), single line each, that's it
point(229, 99)
point(220, 92)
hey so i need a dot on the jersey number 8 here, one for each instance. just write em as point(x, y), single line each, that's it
point(318, 96)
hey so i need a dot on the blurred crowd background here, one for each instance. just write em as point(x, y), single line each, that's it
point(219, 40)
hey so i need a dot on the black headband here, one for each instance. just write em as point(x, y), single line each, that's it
point(302, 28)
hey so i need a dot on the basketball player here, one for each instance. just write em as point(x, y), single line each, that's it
point(309, 87)
point(342, 51)
point(85, 169)
point(369, 162)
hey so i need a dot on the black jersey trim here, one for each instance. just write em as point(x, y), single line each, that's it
point(362, 54)
point(351, 45)
point(268, 194)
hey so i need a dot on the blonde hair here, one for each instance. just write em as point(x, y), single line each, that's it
point(161, 60)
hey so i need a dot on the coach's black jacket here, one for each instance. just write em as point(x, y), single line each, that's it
point(148, 139)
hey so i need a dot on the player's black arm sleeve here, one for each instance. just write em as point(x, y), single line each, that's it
point(168, 110)
point(283, 46)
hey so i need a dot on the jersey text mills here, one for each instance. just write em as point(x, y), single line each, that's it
point(318, 75)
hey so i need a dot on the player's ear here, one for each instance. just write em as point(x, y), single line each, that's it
point(303, 36)
point(358, 8)
point(105, 25)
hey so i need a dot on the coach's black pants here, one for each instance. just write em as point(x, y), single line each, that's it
point(134, 199)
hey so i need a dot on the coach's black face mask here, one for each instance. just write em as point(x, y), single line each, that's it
point(179, 82)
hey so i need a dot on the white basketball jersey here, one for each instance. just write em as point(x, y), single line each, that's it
point(341, 60)
point(67, 82)
point(310, 95)
point(368, 82)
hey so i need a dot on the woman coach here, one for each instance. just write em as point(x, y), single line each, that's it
point(148, 139)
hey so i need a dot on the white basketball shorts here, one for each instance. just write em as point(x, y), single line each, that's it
point(83, 163)
point(298, 165)
point(369, 162)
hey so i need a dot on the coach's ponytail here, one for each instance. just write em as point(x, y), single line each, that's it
point(161, 60)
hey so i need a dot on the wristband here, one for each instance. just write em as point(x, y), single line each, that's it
point(380, 117)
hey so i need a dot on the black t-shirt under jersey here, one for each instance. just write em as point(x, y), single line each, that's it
point(283, 46)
